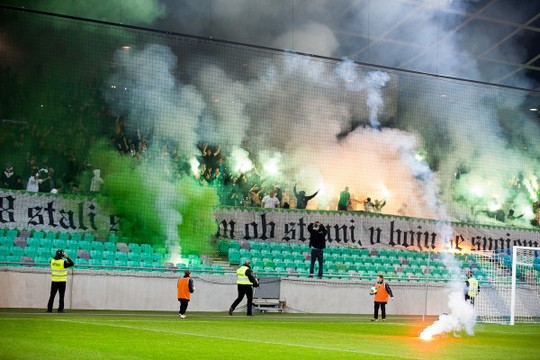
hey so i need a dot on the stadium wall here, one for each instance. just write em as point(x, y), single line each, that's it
point(96, 290)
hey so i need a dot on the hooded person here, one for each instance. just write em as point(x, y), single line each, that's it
point(96, 182)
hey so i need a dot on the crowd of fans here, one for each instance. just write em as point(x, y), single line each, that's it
point(48, 135)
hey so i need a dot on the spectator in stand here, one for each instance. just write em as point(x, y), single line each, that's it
point(96, 183)
point(302, 199)
point(255, 195)
point(378, 205)
point(33, 183)
point(270, 201)
point(344, 199)
point(317, 243)
point(49, 183)
point(209, 157)
point(279, 193)
point(8, 178)
point(368, 205)
point(512, 216)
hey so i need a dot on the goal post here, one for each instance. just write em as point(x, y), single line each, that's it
point(525, 295)
point(509, 283)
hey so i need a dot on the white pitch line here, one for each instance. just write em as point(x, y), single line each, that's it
point(239, 339)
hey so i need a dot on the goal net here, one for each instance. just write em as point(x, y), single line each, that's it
point(509, 285)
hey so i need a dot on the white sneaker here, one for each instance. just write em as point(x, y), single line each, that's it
point(182, 316)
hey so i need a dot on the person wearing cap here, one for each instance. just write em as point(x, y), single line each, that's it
point(245, 281)
point(185, 289)
point(59, 265)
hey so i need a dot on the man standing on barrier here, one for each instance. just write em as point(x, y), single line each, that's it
point(59, 274)
point(246, 281)
point(317, 243)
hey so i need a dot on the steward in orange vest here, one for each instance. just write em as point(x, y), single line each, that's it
point(382, 293)
point(185, 289)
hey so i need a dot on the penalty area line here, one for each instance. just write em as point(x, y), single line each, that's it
point(239, 339)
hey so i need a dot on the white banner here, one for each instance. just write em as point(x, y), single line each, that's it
point(39, 211)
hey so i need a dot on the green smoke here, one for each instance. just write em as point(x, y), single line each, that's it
point(134, 190)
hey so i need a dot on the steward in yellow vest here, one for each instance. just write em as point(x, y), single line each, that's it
point(472, 288)
point(59, 265)
point(246, 281)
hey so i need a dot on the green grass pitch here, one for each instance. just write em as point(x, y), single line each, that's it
point(33, 334)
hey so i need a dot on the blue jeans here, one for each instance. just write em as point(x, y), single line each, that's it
point(316, 254)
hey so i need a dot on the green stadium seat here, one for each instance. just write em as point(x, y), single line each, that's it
point(134, 256)
point(33, 242)
point(97, 245)
point(45, 243)
point(218, 269)
point(147, 248)
point(51, 235)
point(85, 245)
point(234, 257)
point(255, 245)
point(96, 254)
point(109, 255)
point(46, 252)
point(113, 238)
point(5, 251)
point(31, 252)
point(64, 236)
point(59, 244)
point(109, 246)
point(14, 260)
point(147, 257)
point(134, 247)
point(107, 264)
point(76, 236)
point(81, 263)
point(157, 257)
point(16, 251)
point(234, 245)
point(38, 234)
point(89, 237)
point(121, 265)
point(157, 267)
point(42, 261)
point(6, 241)
point(12, 233)
point(72, 245)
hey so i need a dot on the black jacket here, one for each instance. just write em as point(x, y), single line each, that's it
point(317, 238)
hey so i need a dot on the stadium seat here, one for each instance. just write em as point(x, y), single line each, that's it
point(33, 242)
point(76, 236)
point(97, 245)
point(96, 254)
point(85, 245)
point(147, 248)
point(113, 238)
point(121, 265)
point(16, 251)
point(157, 257)
point(38, 235)
point(42, 261)
point(72, 245)
point(255, 245)
point(134, 256)
point(109, 255)
point(108, 264)
point(51, 235)
point(81, 263)
point(89, 237)
point(58, 244)
point(134, 247)
point(109, 246)
point(45, 243)
point(234, 257)
point(64, 236)
point(31, 252)
point(6, 241)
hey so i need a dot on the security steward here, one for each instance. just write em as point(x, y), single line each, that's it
point(246, 281)
point(59, 265)
point(472, 289)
